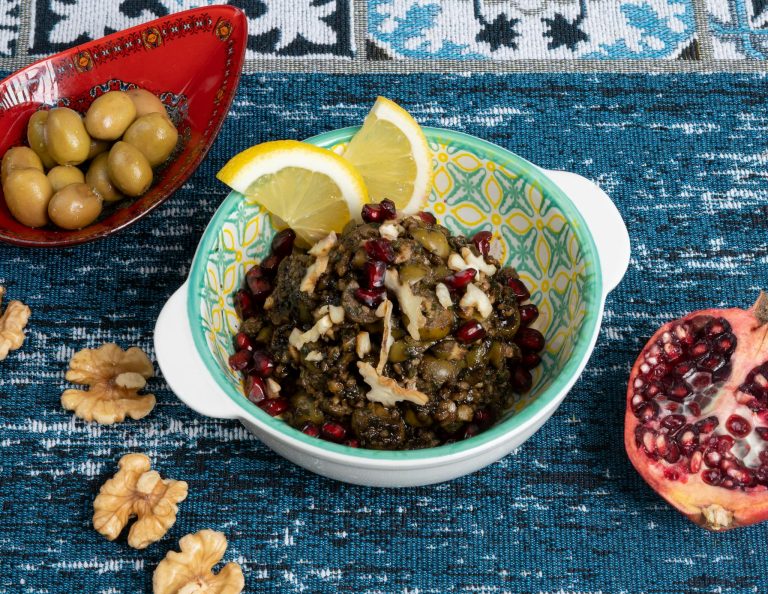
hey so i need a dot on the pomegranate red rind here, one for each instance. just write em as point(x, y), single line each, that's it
point(696, 424)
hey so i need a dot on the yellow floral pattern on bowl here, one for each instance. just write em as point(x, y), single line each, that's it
point(472, 191)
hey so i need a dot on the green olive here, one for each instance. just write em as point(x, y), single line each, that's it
point(154, 135)
point(97, 147)
point(63, 175)
point(74, 207)
point(19, 157)
point(145, 102)
point(478, 356)
point(432, 241)
point(305, 410)
point(359, 258)
point(98, 178)
point(437, 371)
point(398, 352)
point(109, 116)
point(411, 273)
point(36, 137)
point(27, 194)
point(496, 355)
point(128, 169)
point(65, 136)
point(446, 349)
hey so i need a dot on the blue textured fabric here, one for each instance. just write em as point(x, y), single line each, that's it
point(683, 158)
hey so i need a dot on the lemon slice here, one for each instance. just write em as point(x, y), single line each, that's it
point(307, 188)
point(391, 153)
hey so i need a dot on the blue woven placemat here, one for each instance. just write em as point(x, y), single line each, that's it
point(683, 158)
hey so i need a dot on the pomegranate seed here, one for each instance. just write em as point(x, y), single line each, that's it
point(694, 408)
point(483, 418)
point(259, 285)
point(427, 217)
point(243, 342)
point(712, 477)
point(459, 280)
point(711, 363)
point(528, 313)
point(707, 425)
point(700, 349)
point(684, 368)
point(275, 407)
point(243, 304)
point(712, 458)
point(470, 331)
point(270, 263)
point(370, 297)
point(726, 344)
point(647, 411)
point(471, 430)
point(762, 433)
point(282, 243)
point(388, 209)
point(724, 443)
point(678, 391)
point(695, 463)
point(671, 474)
point(371, 213)
point(688, 439)
point(380, 249)
point(374, 273)
point(333, 431)
point(311, 430)
point(482, 241)
point(519, 289)
point(530, 339)
point(716, 327)
point(738, 426)
point(673, 351)
point(530, 360)
point(673, 453)
point(761, 475)
point(352, 443)
point(673, 422)
point(521, 379)
point(262, 365)
point(240, 360)
point(255, 390)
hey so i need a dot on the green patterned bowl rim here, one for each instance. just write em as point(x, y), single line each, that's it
point(593, 295)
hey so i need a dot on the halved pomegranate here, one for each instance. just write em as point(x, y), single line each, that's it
point(696, 426)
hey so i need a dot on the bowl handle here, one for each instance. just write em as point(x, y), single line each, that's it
point(604, 221)
point(181, 365)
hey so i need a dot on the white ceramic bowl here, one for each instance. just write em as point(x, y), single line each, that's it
point(560, 230)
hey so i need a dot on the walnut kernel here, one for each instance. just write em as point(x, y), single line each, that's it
point(12, 324)
point(137, 491)
point(190, 572)
point(115, 378)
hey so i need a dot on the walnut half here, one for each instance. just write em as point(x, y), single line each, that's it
point(189, 572)
point(12, 324)
point(137, 491)
point(115, 378)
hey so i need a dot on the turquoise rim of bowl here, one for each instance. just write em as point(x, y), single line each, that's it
point(593, 284)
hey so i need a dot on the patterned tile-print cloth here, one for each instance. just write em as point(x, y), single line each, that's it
point(565, 513)
point(682, 155)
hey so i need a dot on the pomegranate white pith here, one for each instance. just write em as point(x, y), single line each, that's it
point(696, 425)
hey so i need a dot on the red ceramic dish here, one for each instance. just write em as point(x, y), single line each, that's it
point(191, 59)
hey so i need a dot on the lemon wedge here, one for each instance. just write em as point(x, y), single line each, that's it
point(391, 153)
point(310, 189)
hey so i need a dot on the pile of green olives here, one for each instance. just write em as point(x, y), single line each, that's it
point(74, 164)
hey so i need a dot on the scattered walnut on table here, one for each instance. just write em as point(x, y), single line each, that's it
point(12, 324)
point(190, 570)
point(115, 378)
point(137, 491)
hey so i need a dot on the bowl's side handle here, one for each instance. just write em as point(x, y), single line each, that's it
point(181, 365)
point(604, 221)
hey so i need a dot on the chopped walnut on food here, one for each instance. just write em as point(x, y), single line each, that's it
point(443, 295)
point(12, 324)
point(362, 344)
point(190, 571)
point(386, 390)
point(314, 356)
point(387, 340)
point(468, 260)
point(390, 230)
point(410, 304)
point(115, 378)
point(298, 338)
point(335, 312)
point(315, 270)
point(137, 491)
point(474, 298)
